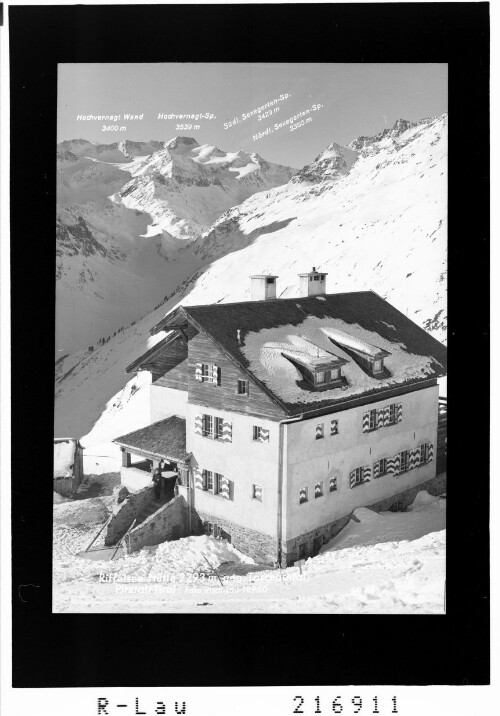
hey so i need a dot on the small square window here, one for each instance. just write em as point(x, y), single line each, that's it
point(316, 278)
point(242, 387)
point(209, 528)
point(378, 365)
point(320, 431)
point(270, 280)
point(303, 495)
point(257, 492)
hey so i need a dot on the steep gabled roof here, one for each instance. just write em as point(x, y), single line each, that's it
point(245, 331)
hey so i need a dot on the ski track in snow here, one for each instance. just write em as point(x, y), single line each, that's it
point(387, 563)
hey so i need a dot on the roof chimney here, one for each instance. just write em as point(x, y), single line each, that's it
point(263, 287)
point(312, 283)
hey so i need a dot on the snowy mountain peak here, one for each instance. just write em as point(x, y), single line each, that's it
point(333, 163)
point(181, 144)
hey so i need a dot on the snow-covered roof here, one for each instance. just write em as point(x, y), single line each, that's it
point(64, 456)
point(261, 336)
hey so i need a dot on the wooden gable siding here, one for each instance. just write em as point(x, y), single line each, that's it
point(225, 396)
point(169, 366)
point(176, 377)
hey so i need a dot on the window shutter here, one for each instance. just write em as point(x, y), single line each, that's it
point(197, 372)
point(264, 435)
point(224, 490)
point(319, 431)
point(317, 490)
point(387, 415)
point(215, 375)
point(227, 432)
point(366, 422)
point(352, 478)
point(414, 460)
point(334, 427)
point(257, 492)
point(367, 473)
point(376, 467)
point(198, 423)
point(430, 452)
point(391, 464)
point(380, 418)
point(333, 484)
point(303, 494)
point(399, 412)
point(397, 464)
point(198, 478)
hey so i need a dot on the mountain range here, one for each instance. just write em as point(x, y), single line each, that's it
point(372, 215)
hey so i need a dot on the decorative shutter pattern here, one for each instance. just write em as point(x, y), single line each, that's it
point(352, 479)
point(215, 375)
point(367, 473)
point(334, 427)
point(257, 492)
point(264, 435)
point(391, 464)
point(198, 478)
point(198, 425)
point(333, 484)
point(430, 452)
point(317, 490)
point(227, 432)
point(224, 489)
point(319, 431)
point(197, 372)
point(399, 412)
point(380, 418)
point(376, 466)
point(303, 494)
point(414, 460)
point(366, 422)
point(397, 464)
point(387, 415)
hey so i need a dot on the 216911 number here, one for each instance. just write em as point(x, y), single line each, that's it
point(337, 707)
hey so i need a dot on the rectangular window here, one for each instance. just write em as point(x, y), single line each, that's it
point(382, 467)
point(392, 413)
point(377, 365)
point(334, 427)
point(404, 461)
point(257, 492)
point(218, 428)
point(270, 280)
point(218, 483)
point(316, 278)
point(320, 431)
point(333, 484)
point(209, 528)
point(358, 476)
point(206, 371)
point(242, 387)
point(208, 480)
point(373, 419)
point(320, 376)
point(318, 489)
point(302, 495)
point(207, 425)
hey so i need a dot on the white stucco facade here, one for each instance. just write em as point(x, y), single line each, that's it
point(308, 460)
point(165, 402)
point(243, 461)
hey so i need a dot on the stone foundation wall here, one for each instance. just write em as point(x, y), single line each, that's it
point(170, 522)
point(125, 513)
point(261, 547)
point(314, 539)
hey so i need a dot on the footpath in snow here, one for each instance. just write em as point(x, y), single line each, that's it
point(380, 563)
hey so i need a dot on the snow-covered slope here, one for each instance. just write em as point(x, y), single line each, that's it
point(125, 211)
point(373, 216)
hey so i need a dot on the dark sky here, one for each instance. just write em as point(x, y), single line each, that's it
point(357, 99)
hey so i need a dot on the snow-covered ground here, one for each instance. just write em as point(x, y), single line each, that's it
point(387, 563)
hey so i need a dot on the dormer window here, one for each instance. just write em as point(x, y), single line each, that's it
point(318, 367)
point(369, 357)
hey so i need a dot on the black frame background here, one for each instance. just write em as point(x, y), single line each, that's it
point(63, 650)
